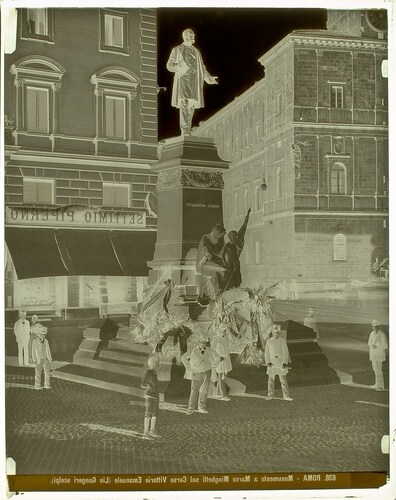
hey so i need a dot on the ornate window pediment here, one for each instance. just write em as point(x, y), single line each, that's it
point(37, 81)
point(116, 89)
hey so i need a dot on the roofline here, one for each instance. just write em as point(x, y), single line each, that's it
point(313, 38)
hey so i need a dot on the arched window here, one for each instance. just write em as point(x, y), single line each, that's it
point(257, 253)
point(278, 185)
point(236, 204)
point(115, 91)
point(339, 247)
point(37, 81)
point(246, 204)
point(338, 179)
point(257, 198)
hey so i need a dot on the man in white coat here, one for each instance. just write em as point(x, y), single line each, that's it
point(200, 362)
point(221, 345)
point(41, 355)
point(377, 346)
point(22, 335)
point(277, 358)
point(185, 61)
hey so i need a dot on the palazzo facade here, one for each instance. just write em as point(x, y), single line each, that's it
point(308, 146)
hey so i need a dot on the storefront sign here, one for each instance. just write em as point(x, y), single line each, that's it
point(74, 217)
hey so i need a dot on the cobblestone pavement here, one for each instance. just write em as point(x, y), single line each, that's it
point(74, 428)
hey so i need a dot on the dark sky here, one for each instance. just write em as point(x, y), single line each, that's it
point(230, 40)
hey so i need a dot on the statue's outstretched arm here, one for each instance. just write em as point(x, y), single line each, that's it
point(242, 231)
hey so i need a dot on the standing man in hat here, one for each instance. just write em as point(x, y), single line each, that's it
point(277, 358)
point(41, 355)
point(22, 335)
point(200, 362)
point(185, 61)
point(377, 346)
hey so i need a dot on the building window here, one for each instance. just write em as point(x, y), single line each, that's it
point(279, 104)
point(338, 179)
point(236, 204)
point(38, 191)
point(37, 104)
point(37, 24)
point(38, 82)
point(114, 31)
point(257, 199)
point(339, 247)
point(116, 106)
point(257, 253)
point(116, 195)
point(115, 117)
point(246, 205)
point(278, 185)
point(337, 96)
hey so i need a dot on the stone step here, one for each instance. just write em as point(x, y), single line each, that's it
point(128, 345)
point(124, 333)
point(115, 367)
point(100, 378)
point(123, 355)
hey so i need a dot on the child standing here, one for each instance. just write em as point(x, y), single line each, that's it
point(41, 356)
point(151, 394)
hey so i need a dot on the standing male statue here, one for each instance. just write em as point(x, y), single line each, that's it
point(190, 73)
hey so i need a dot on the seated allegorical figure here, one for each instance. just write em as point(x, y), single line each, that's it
point(209, 264)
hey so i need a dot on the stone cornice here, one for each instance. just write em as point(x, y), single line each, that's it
point(316, 40)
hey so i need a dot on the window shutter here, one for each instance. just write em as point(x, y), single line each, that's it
point(122, 196)
point(118, 35)
point(109, 117)
point(31, 108)
point(119, 118)
point(37, 109)
point(41, 22)
point(29, 191)
point(108, 195)
point(42, 110)
point(108, 30)
point(45, 192)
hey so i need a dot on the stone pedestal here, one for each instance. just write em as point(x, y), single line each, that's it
point(190, 184)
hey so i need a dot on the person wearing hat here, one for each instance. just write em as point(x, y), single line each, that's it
point(310, 321)
point(377, 346)
point(277, 358)
point(200, 362)
point(41, 355)
point(34, 327)
point(221, 345)
point(22, 335)
point(209, 264)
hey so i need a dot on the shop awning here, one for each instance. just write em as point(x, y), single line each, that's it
point(34, 252)
point(38, 252)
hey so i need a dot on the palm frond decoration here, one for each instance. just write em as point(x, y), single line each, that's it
point(225, 313)
point(261, 312)
point(261, 318)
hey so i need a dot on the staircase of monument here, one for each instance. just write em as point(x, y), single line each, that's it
point(117, 364)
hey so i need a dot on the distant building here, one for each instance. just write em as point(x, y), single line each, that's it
point(308, 146)
point(81, 134)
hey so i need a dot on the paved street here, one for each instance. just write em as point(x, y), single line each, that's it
point(79, 429)
point(75, 428)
